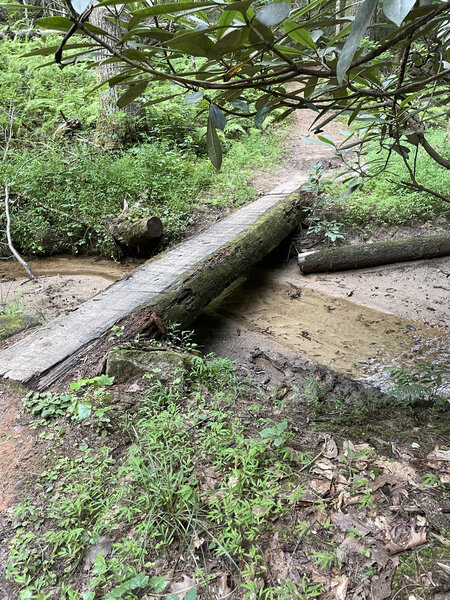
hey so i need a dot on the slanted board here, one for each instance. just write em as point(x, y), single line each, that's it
point(164, 284)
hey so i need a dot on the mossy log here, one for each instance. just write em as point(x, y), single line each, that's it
point(372, 255)
point(137, 236)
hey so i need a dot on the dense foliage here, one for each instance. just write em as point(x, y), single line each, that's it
point(64, 188)
point(391, 81)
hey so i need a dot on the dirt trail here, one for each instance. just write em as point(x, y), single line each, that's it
point(301, 155)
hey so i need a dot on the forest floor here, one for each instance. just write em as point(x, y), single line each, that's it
point(200, 484)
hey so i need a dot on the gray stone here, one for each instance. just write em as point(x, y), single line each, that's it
point(125, 365)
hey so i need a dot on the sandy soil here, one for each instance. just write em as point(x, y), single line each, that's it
point(63, 282)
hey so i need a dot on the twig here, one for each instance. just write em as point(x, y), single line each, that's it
point(8, 237)
point(8, 138)
point(311, 462)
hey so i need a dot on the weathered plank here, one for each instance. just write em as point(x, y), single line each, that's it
point(41, 357)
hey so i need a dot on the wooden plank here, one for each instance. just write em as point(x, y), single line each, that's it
point(68, 338)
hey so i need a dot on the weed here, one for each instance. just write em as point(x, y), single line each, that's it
point(276, 435)
point(12, 307)
point(331, 230)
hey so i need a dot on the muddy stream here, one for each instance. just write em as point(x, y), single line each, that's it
point(340, 328)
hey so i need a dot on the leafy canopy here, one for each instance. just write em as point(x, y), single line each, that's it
point(293, 55)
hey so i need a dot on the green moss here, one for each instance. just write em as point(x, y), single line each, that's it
point(12, 324)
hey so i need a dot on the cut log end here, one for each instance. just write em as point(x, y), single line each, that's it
point(138, 237)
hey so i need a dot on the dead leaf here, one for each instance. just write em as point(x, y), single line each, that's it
point(181, 588)
point(221, 588)
point(133, 387)
point(400, 469)
point(320, 486)
point(340, 590)
point(277, 561)
point(350, 548)
point(104, 544)
point(381, 585)
point(440, 455)
point(330, 449)
point(346, 521)
point(405, 536)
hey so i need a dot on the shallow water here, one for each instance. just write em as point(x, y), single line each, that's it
point(359, 342)
point(67, 265)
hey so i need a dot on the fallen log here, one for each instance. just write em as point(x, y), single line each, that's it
point(174, 286)
point(371, 255)
point(139, 236)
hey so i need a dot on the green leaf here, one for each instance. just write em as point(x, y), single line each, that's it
point(158, 584)
point(217, 117)
point(79, 6)
point(191, 594)
point(131, 94)
point(226, 18)
point(48, 50)
point(213, 145)
point(138, 581)
point(326, 140)
point(397, 10)
point(103, 380)
point(267, 433)
point(55, 23)
point(360, 24)
point(193, 98)
point(170, 7)
point(273, 14)
point(261, 115)
point(12, 6)
point(241, 104)
point(240, 6)
point(192, 43)
point(84, 411)
point(301, 36)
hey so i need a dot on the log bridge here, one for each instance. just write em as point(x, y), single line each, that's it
point(173, 286)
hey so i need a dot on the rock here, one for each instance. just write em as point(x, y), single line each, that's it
point(104, 544)
point(12, 324)
point(125, 365)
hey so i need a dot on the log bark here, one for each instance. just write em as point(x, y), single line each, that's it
point(187, 294)
point(139, 236)
point(372, 255)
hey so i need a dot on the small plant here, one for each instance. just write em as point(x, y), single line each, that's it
point(330, 230)
point(12, 308)
point(276, 435)
point(180, 338)
point(430, 479)
point(323, 560)
point(422, 381)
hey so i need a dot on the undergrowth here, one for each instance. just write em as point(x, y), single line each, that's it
point(383, 202)
point(194, 481)
point(65, 190)
point(197, 479)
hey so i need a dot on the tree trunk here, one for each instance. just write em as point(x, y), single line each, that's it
point(371, 255)
point(110, 129)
